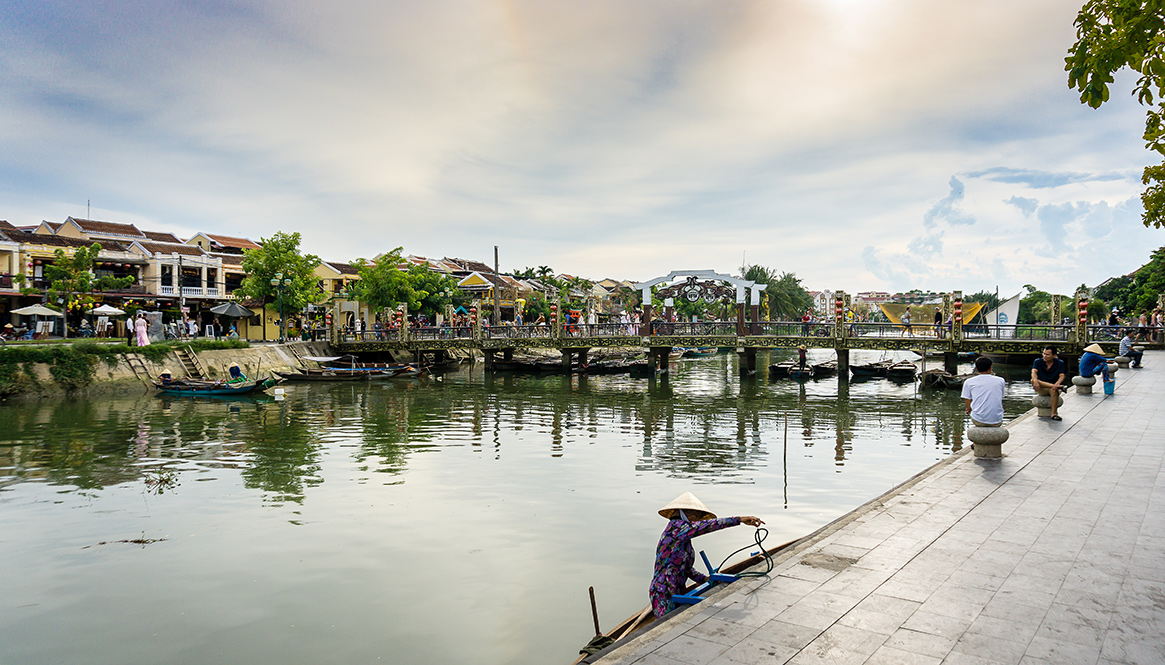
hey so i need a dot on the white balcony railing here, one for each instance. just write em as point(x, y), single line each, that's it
point(165, 290)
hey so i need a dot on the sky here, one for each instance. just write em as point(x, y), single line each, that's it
point(860, 144)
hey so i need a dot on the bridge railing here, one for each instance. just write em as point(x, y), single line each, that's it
point(599, 330)
point(515, 332)
point(443, 332)
point(1021, 332)
point(698, 329)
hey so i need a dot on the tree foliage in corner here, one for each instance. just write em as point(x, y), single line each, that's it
point(1112, 35)
point(71, 278)
point(280, 254)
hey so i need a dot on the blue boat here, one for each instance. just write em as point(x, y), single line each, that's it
point(187, 387)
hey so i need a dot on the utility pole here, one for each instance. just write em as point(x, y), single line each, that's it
point(497, 290)
point(181, 292)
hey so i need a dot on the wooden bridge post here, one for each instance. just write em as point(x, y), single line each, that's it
point(475, 319)
point(951, 355)
point(1057, 309)
point(739, 311)
point(645, 322)
point(1081, 322)
point(843, 365)
point(957, 321)
point(404, 322)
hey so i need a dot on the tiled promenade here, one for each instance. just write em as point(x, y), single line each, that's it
point(1053, 555)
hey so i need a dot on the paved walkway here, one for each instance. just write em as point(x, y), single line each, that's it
point(1054, 554)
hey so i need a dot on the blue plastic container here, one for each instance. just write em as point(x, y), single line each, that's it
point(1109, 387)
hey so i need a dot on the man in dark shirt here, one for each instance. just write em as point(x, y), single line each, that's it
point(1048, 377)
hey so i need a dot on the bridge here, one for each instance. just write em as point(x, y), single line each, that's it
point(747, 334)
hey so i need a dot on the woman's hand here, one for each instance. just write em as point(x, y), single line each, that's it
point(751, 521)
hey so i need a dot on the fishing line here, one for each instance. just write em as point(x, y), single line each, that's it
point(758, 539)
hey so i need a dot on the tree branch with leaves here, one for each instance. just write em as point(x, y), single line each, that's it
point(1110, 36)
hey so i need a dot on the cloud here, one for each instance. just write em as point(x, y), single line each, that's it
point(1026, 206)
point(1055, 218)
point(927, 245)
point(947, 209)
point(1042, 179)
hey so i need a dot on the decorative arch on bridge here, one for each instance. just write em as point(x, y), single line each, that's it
point(706, 285)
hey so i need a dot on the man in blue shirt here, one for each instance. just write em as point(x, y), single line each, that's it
point(1048, 377)
point(1127, 349)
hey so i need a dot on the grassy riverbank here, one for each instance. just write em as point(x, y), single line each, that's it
point(73, 366)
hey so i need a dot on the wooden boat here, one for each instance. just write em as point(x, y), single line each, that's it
point(701, 352)
point(305, 374)
point(939, 379)
point(780, 370)
point(903, 370)
point(214, 388)
point(871, 370)
point(827, 368)
point(635, 623)
point(799, 373)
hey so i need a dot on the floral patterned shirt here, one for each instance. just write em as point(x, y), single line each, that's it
point(674, 557)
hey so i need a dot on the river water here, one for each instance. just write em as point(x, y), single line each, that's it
point(457, 520)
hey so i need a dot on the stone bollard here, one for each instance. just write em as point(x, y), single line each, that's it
point(1084, 384)
point(988, 440)
point(1112, 368)
point(1139, 348)
point(1043, 404)
point(1122, 362)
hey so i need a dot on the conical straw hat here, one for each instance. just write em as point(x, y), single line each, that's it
point(1094, 348)
point(687, 502)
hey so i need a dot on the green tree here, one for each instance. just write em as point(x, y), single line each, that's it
point(1036, 306)
point(989, 299)
point(71, 278)
point(1110, 36)
point(786, 298)
point(382, 284)
point(280, 254)
point(430, 291)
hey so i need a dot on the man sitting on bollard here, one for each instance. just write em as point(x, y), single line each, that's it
point(1127, 349)
point(983, 395)
point(1048, 377)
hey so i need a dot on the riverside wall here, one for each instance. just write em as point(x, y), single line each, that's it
point(121, 378)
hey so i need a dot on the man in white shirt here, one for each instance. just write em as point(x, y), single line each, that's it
point(983, 395)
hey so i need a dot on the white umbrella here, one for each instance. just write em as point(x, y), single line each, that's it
point(107, 310)
point(36, 310)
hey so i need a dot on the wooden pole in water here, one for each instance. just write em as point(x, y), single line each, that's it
point(595, 612)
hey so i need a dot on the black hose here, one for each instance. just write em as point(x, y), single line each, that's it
point(758, 539)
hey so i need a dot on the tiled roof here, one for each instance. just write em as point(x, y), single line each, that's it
point(109, 228)
point(228, 259)
point(470, 266)
point(161, 236)
point(237, 243)
point(46, 240)
point(164, 248)
point(343, 267)
point(5, 226)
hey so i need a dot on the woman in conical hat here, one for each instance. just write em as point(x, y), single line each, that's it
point(687, 518)
point(1093, 362)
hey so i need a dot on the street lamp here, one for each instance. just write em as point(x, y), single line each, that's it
point(280, 284)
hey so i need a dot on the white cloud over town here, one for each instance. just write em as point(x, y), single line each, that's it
point(884, 144)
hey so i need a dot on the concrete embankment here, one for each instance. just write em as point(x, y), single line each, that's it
point(1052, 554)
point(127, 375)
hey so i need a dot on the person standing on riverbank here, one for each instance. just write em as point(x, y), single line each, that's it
point(140, 328)
point(1048, 377)
point(687, 518)
point(983, 395)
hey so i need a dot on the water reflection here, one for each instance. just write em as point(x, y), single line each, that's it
point(718, 434)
